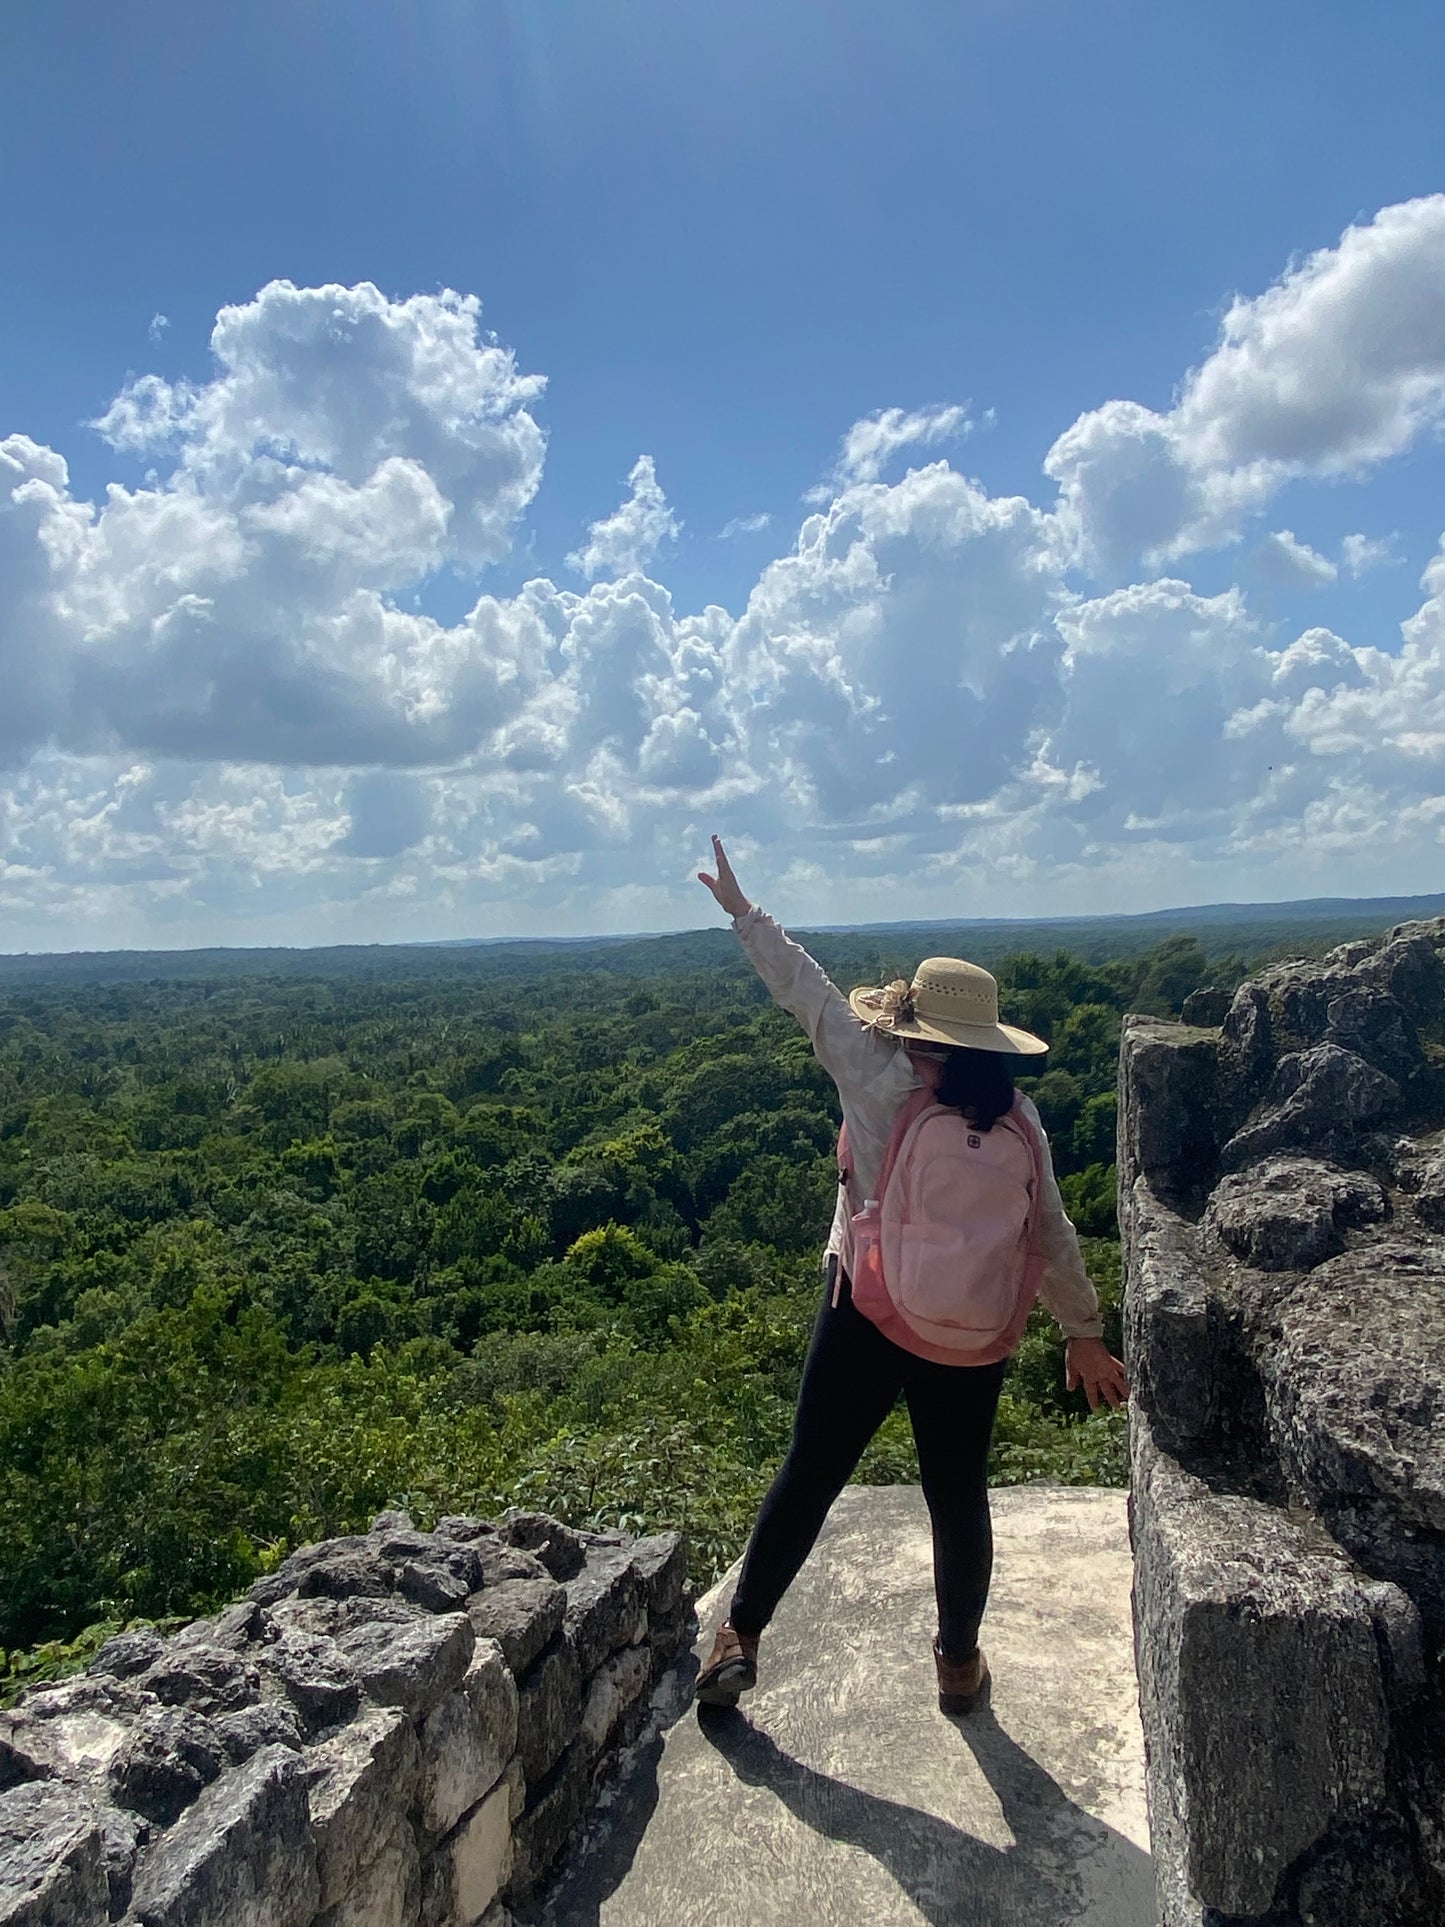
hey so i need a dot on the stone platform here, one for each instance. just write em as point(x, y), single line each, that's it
point(838, 1793)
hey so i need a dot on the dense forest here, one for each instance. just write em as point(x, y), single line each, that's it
point(280, 1250)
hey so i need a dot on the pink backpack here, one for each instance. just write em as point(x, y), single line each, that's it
point(947, 1248)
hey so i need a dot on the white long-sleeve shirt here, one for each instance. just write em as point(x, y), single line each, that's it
point(874, 1076)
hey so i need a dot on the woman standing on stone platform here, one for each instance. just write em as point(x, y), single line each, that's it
point(880, 1048)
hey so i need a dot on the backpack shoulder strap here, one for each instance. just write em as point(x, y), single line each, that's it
point(914, 1107)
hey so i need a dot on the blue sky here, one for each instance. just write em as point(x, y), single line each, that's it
point(255, 696)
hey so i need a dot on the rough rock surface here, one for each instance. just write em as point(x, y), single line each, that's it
point(347, 1746)
point(1282, 1187)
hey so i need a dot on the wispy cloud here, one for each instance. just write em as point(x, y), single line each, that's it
point(745, 525)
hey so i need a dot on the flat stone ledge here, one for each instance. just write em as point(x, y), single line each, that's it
point(838, 1792)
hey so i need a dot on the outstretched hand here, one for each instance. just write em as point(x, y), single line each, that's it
point(724, 885)
point(1090, 1363)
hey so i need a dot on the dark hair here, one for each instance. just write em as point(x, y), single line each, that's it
point(980, 1083)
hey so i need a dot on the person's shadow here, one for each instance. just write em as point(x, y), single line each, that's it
point(1062, 1860)
point(1065, 1865)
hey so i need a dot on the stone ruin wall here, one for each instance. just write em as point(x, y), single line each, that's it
point(1282, 1203)
point(393, 1728)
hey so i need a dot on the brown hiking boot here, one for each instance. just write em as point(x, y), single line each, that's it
point(732, 1667)
point(962, 1684)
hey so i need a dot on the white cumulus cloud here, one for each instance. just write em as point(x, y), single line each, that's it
point(628, 539)
point(1335, 368)
point(228, 712)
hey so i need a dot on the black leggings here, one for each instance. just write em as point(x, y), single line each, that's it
point(851, 1378)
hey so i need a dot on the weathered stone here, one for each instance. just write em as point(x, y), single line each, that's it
point(547, 1821)
point(387, 1889)
point(237, 1627)
point(1317, 1098)
point(660, 1562)
point(343, 1557)
point(52, 1858)
point(435, 1573)
point(316, 1677)
point(1289, 1214)
point(356, 1780)
point(501, 1560)
point(520, 1614)
point(1257, 1646)
point(560, 1548)
point(549, 1706)
point(1360, 1426)
point(467, 1740)
point(392, 1522)
point(1361, 1878)
point(668, 1635)
point(128, 1653)
point(1173, 1344)
point(515, 1781)
point(1372, 1025)
point(463, 1527)
point(602, 1603)
point(165, 1762)
point(242, 1855)
point(123, 1835)
point(246, 1732)
point(1206, 1007)
point(1408, 967)
point(1169, 1113)
point(616, 1686)
point(71, 1730)
point(464, 1874)
point(209, 1679)
point(413, 1665)
point(350, 1575)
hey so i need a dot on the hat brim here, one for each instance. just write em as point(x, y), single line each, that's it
point(1000, 1037)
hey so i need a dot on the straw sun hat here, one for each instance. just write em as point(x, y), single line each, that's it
point(948, 1002)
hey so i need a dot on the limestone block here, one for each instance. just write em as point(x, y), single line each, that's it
point(1172, 1344)
point(71, 1730)
point(515, 1781)
point(1359, 1426)
point(1317, 1098)
point(1264, 1706)
point(660, 1562)
point(1291, 1213)
point(358, 1779)
point(164, 1762)
point(546, 1823)
point(467, 1740)
point(334, 1569)
point(520, 1614)
point(467, 1871)
point(501, 1560)
point(1373, 1025)
point(414, 1664)
point(549, 1707)
point(1169, 1105)
point(128, 1653)
point(436, 1573)
point(52, 1858)
point(560, 1549)
point(602, 1604)
point(246, 1732)
point(615, 1686)
point(241, 1856)
point(387, 1890)
point(465, 1528)
point(209, 1679)
point(315, 1676)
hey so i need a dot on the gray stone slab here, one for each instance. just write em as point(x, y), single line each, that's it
point(837, 1792)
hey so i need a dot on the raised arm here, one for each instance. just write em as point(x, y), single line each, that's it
point(853, 1055)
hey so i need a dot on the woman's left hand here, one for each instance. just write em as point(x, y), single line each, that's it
point(1090, 1363)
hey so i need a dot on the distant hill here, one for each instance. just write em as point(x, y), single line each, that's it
point(1248, 930)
